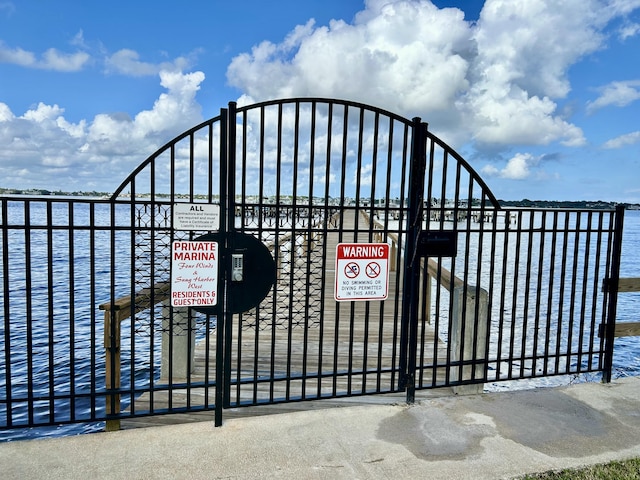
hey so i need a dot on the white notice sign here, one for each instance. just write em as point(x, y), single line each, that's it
point(362, 271)
point(196, 216)
point(194, 274)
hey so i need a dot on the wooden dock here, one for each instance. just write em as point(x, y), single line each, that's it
point(301, 343)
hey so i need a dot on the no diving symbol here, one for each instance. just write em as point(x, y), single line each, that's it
point(351, 270)
point(372, 270)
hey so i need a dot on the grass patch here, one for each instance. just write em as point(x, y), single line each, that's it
point(625, 470)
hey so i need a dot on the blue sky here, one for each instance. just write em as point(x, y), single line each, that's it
point(541, 97)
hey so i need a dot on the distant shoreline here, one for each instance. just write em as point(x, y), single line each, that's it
point(579, 204)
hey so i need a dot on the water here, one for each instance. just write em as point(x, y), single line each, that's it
point(54, 323)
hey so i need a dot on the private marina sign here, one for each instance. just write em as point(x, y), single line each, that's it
point(194, 274)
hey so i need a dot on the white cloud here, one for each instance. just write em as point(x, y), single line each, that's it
point(42, 145)
point(629, 30)
point(5, 113)
point(619, 94)
point(17, 56)
point(623, 140)
point(519, 167)
point(43, 112)
point(496, 80)
point(51, 59)
point(127, 62)
point(63, 62)
point(124, 61)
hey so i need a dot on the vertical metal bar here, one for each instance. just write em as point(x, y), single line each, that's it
point(309, 247)
point(574, 286)
point(463, 299)
point(112, 334)
point(229, 212)
point(381, 325)
point(272, 358)
point(152, 284)
point(72, 313)
point(243, 194)
point(294, 246)
point(29, 310)
point(358, 198)
point(92, 296)
point(396, 371)
point(612, 289)
point(593, 327)
point(538, 300)
point(585, 286)
point(552, 270)
point(563, 275)
point(525, 312)
point(7, 311)
point(340, 226)
point(260, 213)
point(514, 300)
point(207, 338)
point(408, 336)
point(132, 291)
point(492, 272)
point(325, 226)
point(478, 315)
point(221, 378)
point(428, 278)
point(50, 312)
point(503, 280)
point(372, 201)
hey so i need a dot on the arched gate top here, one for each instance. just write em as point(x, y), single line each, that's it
point(326, 135)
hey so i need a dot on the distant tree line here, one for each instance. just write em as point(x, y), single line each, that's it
point(579, 204)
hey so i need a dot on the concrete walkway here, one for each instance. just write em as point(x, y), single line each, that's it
point(489, 436)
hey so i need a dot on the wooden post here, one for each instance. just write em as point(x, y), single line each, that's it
point(474, 324)
point(178, 342)
point(112, 358)
point(114, 314)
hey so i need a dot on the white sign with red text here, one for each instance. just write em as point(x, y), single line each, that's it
point(194, 274)
point(362, 271)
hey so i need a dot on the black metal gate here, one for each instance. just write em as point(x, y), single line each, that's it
point(465, 293)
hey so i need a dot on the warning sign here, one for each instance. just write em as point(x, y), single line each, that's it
point(362, 271)
point(194, 274)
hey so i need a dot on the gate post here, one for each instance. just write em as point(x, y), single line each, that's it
point(411, 280)
point(221, 311)
point(611, 284)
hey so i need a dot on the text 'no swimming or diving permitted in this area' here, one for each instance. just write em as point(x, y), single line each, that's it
point(362, 271)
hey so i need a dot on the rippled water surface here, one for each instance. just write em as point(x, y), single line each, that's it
point(39, 341)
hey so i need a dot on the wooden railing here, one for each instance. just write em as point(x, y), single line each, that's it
point(628, 329)
point(470, 314)
point(114, 314)
point(378, 237)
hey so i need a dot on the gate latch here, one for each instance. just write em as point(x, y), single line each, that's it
point(440, 243)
